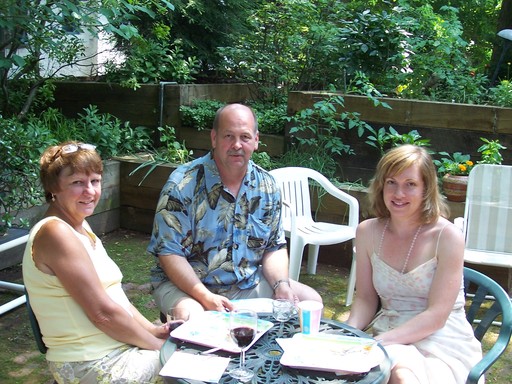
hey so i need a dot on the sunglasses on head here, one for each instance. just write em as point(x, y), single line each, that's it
point(71, 148)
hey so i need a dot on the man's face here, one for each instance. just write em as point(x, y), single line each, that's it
point(235, 139)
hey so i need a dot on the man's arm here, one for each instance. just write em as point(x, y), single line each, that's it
point(275, 270)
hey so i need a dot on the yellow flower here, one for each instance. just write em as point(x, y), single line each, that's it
point(470, 163)
point(462, 167)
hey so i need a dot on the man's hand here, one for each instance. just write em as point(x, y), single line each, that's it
point(213, 302)
point(283, 291)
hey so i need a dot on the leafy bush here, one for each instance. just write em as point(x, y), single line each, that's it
point(318, 127)
point(171, 152)
point(454, 164)
point(314, 158)
point(384, 140)
point(200, 114)
point(150, 61)
point(501, 95)
point(104, 130)
point(271, 118)
point(22, 144)
point(20, 149)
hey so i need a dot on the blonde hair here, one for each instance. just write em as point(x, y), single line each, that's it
point(395, 161)
point(53, 161)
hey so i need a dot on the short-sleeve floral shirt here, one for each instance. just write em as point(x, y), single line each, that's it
point(224, 238)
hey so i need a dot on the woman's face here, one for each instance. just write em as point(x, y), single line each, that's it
point(403, 192)
point(79, 193)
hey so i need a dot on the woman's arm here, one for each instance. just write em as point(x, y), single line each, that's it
point(366, 303)
point(57, 251)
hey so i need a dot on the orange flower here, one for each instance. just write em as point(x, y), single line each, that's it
point(462, 167)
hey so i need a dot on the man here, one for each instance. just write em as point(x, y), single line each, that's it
point(217, 231)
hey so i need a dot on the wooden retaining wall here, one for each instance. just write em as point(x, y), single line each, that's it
point(450, 127)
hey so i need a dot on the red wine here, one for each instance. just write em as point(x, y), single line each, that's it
point(242, 335)
point(175, 324)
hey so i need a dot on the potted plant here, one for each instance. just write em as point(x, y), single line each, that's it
point(455, 168)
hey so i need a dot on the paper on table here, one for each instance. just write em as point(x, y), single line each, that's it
point(211, 329)
point(185, 365)
point(328, 352)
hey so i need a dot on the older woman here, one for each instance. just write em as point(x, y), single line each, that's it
point(409, 262)
point(92, 331)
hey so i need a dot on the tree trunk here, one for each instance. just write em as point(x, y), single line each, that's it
point(504, 22)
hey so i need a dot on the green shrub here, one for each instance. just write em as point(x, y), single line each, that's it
point(271, 117)
point(21, 145)
point(200, 114)
point(501, 95)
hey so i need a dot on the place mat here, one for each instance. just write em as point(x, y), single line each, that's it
point(184, 366)
point(332, 353)
point(211, 329)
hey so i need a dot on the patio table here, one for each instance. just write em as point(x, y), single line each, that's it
point(264, 358)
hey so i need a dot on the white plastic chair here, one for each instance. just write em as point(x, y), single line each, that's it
point(300, 227)
point(487, 222)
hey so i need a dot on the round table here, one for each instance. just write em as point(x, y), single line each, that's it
point(264, 356)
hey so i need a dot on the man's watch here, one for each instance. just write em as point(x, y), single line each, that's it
point(279, 282)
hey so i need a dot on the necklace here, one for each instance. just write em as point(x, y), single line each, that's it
point(411, 247)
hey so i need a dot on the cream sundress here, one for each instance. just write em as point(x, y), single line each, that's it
point(447, 355)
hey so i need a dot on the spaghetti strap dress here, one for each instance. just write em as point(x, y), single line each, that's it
point(447, 355)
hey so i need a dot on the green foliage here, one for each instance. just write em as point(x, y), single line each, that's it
point(200, 114)
point(174, 152)
point(501, 95)
point(20, 149)
point(263, 159)
point(271, 117)
point(289, 46)
point(171, 152)
point(104, 130)
point(318, 127)
point(315, 158)
point(37, 30)
point(149, 61)
point(200, 26)
point(454, 164)
point(384, 140)
point(22, 143)
point(403, 48)
point(460, 164)
point(490, 151)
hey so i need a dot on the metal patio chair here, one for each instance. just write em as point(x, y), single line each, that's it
point(487, 301)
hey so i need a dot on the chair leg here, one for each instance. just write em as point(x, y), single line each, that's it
point(351, 282)
point(295, 254)
point(312, 258)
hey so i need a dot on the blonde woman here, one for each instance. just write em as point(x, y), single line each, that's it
point(410, 272)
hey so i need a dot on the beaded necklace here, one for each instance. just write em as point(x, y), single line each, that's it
point(410, 248)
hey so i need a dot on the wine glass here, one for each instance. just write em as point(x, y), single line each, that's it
point(282, 310)
point(176, 316)
point(243, 326)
